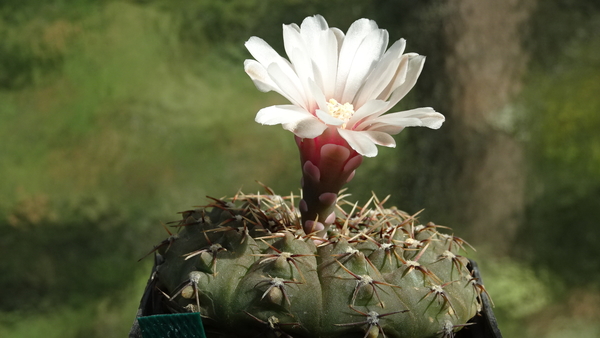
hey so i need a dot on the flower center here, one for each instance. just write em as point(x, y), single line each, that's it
point(340, 111)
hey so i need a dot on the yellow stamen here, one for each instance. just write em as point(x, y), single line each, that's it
point(340, 111)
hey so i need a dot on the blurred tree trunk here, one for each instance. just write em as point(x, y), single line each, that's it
point(484, 65)
point(470, 174)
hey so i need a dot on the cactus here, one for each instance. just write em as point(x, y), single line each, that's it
point(257, 266)
point(250, 270)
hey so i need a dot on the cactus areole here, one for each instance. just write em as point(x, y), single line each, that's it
point(315, 265)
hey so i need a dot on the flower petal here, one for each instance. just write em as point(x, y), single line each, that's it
point(263, 81)
point(303, 66)
point(415, 65)
point(290, 85)
point(382, 75)
point(262, 51)
point(386, 128)
point(327, 65)
point(260, 76)
point(399, 77)
point(356, 34)
point(361, 143)
point(281, 114)
point(291, 38)
point(420, 117)
point(307, 128)
point(365, 59)
point(364, 141)
point(317, 95)
point(373, 107)
point(269, 58)
point(328, 119)
point(382, 139)
point(319, 48)
point(339, 36)
point(297, 51)
point(312, 26)
point(292, 118)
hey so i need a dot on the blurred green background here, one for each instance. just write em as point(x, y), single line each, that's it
point(114, 115)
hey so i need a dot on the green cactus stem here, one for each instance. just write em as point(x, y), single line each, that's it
point(250, 270)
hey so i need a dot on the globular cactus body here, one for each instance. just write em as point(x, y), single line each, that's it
point(250, 271)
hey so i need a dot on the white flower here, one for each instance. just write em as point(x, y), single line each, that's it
point(346, 82)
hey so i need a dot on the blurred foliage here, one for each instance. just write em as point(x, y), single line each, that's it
point(117, 114)
point(123, 129)
point(573, 22)
point(517, 292)
point(108, 316)
point(560, 130)
point(226, 24)
point(56, 258)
